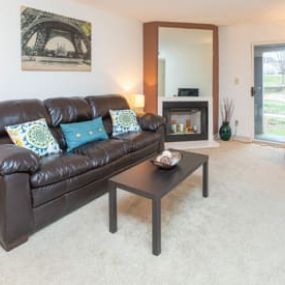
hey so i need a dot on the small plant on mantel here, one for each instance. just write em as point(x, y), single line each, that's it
point(227, 109)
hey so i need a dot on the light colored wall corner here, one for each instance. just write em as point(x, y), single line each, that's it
point(116, 55)
point(236, 70)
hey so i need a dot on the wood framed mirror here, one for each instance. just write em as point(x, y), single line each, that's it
point(152, 33)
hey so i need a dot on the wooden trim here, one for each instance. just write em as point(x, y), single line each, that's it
point(215, 80)
point(150, 66)
point(182, 25)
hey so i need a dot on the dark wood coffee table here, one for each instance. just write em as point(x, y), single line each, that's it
point(148, 181)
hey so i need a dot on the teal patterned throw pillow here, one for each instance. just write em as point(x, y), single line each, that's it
point(34, 136)
point(124, 121)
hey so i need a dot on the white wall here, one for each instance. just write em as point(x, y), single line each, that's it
point(188, 55)
point(116, 54)
point(236, 68)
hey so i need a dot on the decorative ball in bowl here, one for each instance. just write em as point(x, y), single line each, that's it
point(168, 159)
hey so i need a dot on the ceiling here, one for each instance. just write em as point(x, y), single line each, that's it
point(219, 12)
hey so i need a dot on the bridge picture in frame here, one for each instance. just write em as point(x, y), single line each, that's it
point(52, 42)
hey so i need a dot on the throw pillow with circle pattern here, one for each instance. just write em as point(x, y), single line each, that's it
point(124, 121)
point(35, 136)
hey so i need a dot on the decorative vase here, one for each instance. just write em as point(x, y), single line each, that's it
point(225, 131)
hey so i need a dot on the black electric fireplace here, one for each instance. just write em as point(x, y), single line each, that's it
point(186, 121)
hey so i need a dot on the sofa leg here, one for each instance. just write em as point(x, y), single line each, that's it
point(11, 245)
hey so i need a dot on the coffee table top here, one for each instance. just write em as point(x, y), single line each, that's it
point(147, 180)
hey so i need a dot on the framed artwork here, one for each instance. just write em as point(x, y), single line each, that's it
point(52, 42)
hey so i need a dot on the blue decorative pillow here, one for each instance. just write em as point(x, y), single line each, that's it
point(35, 136)
point(124, 121)
point(77, 134)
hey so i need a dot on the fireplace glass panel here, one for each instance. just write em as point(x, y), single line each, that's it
point(185, 122)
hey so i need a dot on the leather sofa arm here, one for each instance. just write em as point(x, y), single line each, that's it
point(14, 159)
point(150, 122)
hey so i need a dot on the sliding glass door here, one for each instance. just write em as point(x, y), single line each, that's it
point(269, 92)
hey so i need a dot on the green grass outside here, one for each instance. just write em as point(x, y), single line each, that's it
point(274, 126)
point(272, 80)
point(274, 103)
point(273, 107)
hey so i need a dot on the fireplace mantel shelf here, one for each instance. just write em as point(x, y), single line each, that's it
point(188, 99)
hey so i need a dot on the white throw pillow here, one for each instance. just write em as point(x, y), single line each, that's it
point(35, 136)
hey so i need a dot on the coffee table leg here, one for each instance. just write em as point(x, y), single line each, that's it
point(205, 179)
point(156, 227)
point(112, 208)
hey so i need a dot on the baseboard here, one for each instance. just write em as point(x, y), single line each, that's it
point(269, 143)
point(242, 139)
point(192, 144)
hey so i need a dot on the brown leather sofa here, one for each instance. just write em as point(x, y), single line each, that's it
point(35, 192)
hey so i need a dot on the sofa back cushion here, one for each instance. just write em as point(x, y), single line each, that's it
point(65, 110)
point(20, 111)
point(5, 140)
point(101, 105)
point(58, 111)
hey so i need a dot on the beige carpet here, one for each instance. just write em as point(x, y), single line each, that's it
point(236, 236)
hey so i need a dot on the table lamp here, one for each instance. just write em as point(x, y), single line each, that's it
point(138, 102)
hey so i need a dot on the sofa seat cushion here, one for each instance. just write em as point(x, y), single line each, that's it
point(103, 152)
point(56, 168)
point(139, 140)
point(44, 194)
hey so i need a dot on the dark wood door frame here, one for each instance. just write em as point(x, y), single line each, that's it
point(150, 64)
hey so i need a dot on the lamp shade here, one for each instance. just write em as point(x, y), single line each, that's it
point(138, 101)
